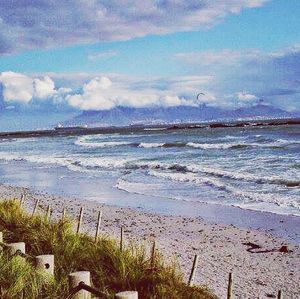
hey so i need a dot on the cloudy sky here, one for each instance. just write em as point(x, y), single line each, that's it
point(70, 56)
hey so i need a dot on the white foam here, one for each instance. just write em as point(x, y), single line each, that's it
point(150, 145)
point(213, 146)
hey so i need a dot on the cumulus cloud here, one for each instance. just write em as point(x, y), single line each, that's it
point(40, 23)
point(101, 93)
point(43, 88)
point(16, 87)
point(21, 88)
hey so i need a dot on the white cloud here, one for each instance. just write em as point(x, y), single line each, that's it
point(99, 56)
point(101, 93)
point(44, 88)
point(246, 97)
point(60, 23)
point(16, 87)
point(213, 58)
point(272, 76)
point(92, 97)
point(23, 89)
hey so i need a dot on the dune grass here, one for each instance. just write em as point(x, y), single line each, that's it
point(112, 270)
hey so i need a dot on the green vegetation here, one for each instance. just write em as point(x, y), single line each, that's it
point(111, 270)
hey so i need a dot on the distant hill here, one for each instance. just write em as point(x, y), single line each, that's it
point(122, 116)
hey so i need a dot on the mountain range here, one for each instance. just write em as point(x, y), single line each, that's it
point(123, 116)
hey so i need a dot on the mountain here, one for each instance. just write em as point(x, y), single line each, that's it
point(122, 116)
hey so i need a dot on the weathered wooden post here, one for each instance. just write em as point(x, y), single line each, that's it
point(35, 207)
point(229, 289)
point(193, 272)
point(63, 215)
point(22, 200)
point(127, 295)
point(75, 279)
point(14, 247)
point(79, 220)
point(1, 237)
point(98, 225)
point(121, 239)
point(280, 294)
point(48, 213)
point(45, 263)
point(153, 251)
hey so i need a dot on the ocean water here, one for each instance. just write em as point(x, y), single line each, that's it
point(252, 168)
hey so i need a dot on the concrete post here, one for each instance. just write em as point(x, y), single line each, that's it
point(75, 279)
point(45, 263)
point(127, 295)
point(14, 247)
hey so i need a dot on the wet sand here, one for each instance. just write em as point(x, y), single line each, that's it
point(258, 273)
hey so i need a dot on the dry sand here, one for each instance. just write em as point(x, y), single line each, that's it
point(257, 274)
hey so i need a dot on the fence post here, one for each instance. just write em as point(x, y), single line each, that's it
point(22, 200)
point(79, 220)
point(280, 294)
point(75, 279)
point(63, 215)
point(229, 289)
point(1, 237)
point(127, 295)
point(48, 213)
point(45, 263)
point(153, 249)
point(98, 225)
point(35, 207)
point(192, 276)
point(14, 247)
point(121, 239)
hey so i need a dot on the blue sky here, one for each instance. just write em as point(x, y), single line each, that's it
point(97, 54)
point(271, 27)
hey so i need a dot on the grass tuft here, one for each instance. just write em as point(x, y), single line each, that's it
point(112, 270)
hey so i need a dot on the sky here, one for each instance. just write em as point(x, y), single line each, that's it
point(73, 56)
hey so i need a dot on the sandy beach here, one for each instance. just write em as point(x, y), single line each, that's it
point(222, 248)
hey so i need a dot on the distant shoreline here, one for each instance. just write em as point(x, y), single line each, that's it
point(77, 131)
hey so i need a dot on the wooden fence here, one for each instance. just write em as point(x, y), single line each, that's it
point(80, 281)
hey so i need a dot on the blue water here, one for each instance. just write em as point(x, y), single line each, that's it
point(253, 168)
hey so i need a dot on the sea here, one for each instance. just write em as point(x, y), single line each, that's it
point(256, 168)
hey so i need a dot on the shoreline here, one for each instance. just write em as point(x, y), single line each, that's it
point(219, 246)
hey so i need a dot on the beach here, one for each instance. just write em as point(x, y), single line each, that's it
point(222, 248)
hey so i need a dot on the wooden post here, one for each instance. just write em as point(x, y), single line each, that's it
point(35, 207)
point(48, 213)
point(14, 247)
point(22, 200)
point(1, 237)
point(63, 215)
point(127, 295)
point(45, 263)
point(98, 225)
point(75, 279)
point(121, 239)
point(79, 220)
point(192, 276)
point(153, 249)
point(229, 289)
point(280, 294)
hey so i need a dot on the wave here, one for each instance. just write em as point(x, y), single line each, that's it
point(216, 145)
point(149, 145)
point(114, 163)
point(239, 196)
point(103, 144)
